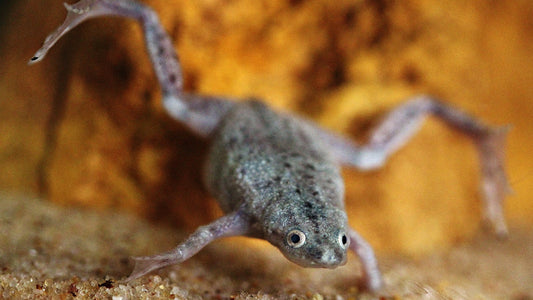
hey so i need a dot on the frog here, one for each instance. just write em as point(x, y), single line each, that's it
point(276, 175)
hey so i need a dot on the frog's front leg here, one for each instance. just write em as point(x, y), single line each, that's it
point(233, 224)
point(200, 113)
point(371, 275)
point(403, 122)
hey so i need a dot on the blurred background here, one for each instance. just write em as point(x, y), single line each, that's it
point(85, 127)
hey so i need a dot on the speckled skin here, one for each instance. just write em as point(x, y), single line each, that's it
point(284, 177)
point(277, 176)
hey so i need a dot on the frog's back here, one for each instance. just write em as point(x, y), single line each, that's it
point(258, 155)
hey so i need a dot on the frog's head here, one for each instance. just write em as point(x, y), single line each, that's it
point(309, 233)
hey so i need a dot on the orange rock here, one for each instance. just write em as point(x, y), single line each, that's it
point(86, 126)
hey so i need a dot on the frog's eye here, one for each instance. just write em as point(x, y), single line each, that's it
point(296, 238)
point(343, 240)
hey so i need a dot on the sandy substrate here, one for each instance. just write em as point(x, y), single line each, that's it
point(52, 252)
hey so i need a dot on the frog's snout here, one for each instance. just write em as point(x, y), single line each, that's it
point(332, 258)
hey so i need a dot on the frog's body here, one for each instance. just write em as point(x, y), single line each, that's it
point(277, 176)
point(285, 178)
point(257, 151)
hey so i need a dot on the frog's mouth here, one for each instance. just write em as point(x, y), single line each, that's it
point(329, 259)
point(314, 264)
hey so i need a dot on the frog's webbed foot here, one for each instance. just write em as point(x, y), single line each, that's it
point(77, 13)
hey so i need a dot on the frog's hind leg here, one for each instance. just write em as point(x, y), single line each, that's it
point(201, 114)
point(402, 123)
